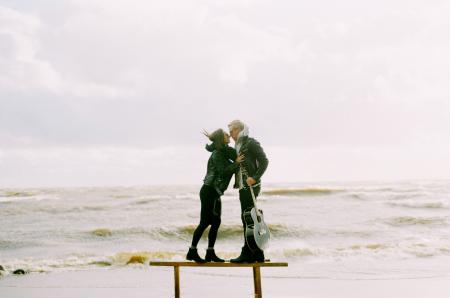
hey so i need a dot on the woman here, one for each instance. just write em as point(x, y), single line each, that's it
point(219, 172)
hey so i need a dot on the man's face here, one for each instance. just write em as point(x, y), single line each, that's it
point(234, 132)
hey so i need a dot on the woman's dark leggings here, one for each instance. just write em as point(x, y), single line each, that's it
point(209, 215)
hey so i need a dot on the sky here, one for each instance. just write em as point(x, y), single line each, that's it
point(103, 93)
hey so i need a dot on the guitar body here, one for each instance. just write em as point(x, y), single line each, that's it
point(257, 233)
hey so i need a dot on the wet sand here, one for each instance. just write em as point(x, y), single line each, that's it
point(143, 281)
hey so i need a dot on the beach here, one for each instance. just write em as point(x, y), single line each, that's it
point(374, 239)
point(158, 282)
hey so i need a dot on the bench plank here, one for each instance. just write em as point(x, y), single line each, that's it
point(212, 264)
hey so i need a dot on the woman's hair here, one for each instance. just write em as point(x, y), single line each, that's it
point(217, 139)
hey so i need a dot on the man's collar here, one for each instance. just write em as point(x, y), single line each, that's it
point(241, 139)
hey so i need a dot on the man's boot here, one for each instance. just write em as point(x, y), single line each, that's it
point(245, 257)
point(258, 256)
point(211, 256)
point(192, 255)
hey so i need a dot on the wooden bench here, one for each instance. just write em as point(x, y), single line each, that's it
point(256, 271)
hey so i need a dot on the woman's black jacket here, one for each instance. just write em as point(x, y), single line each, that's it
point(221, 167)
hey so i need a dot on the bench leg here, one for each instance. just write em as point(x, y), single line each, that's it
point(257, 281)
point(176, 271)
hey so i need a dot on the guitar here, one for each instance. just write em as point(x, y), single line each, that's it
point(257, 233)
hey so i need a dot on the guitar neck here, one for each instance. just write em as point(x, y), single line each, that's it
point(253, 197)
point(245, 173)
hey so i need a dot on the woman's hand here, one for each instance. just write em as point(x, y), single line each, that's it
point(240, 158)
point(250, 181)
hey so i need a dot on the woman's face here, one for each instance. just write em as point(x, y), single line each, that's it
point(226, 138)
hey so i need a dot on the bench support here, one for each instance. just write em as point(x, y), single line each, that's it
point(257, 282)
point(176, 271)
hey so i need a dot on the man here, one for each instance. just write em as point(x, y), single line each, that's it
point(255, 162)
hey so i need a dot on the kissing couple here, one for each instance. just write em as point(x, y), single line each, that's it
point(248, 162)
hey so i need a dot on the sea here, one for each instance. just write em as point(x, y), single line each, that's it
point(327, 230)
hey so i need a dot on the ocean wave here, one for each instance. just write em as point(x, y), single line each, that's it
point(300, 191)
point(125, 232)
point(371, 246)
point(51, 209)
point(347, 233)
point(80, 261)
point(26, 197)
point(417, 205)
point(231, 231)
point(150, 199)
point(387, 250)
point(7, 244)
point(49, 265)
point(121, 196)
point(369, 251)
point(186, 232)
point(424, 250)
point(9, 194)
point(411, 221)
point(298, 252)
point(101, 232)
point(143, 257)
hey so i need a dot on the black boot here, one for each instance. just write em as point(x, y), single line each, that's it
point(192, 255)
point(258, 256)
point(211, 256)
point(245, 257)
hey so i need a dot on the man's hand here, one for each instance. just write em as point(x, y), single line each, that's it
point(240, 158)
point(250, 181)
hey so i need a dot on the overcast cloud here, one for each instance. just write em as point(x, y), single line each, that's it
point(117, 92)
